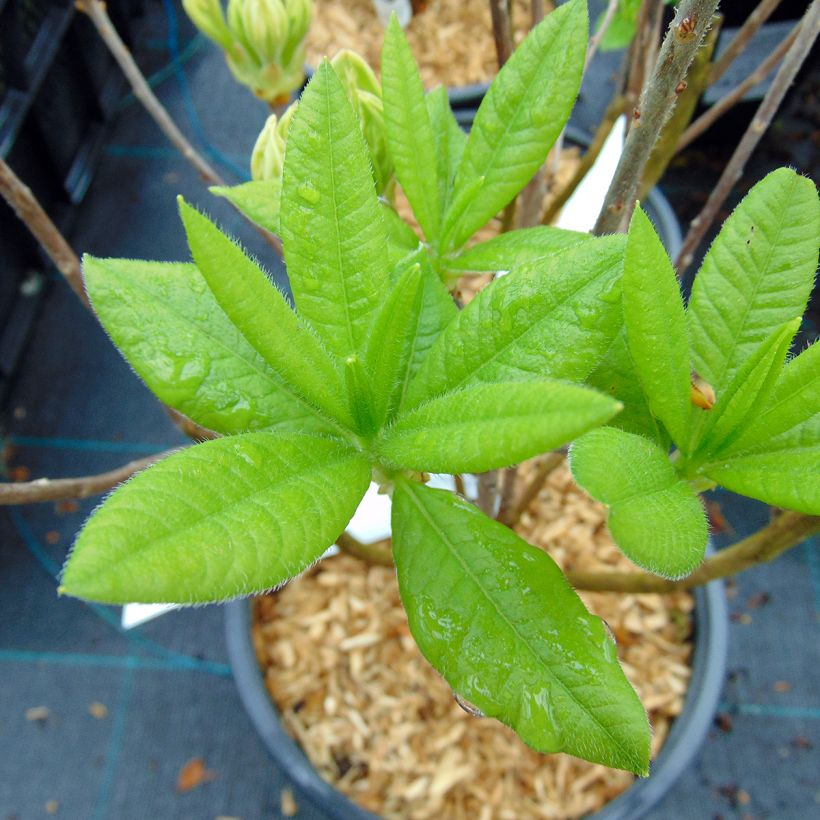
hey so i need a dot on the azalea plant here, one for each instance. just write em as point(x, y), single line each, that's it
point(377, 375)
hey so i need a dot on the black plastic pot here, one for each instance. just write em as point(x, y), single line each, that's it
point(687, 733)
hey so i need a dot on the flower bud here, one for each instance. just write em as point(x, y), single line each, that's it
point(208, 17)
point(702, 394)
point(268, 156)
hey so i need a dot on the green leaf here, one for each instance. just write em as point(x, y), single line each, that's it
point(792, 416)
point(749, 391)
point(788, 477)
point(655, 518)
point(554, 319)
point(257, 199)
point(225, 518)
point(616, 377)
point(331, 222)
point(521, 115)
point(510, 250)
point(655, 323)
point(621, 30)
point(194, 358)
point(449, 141)
point(401, 238)
point(492, 425)
point(757, 275)
point(260, 311)
point(409, 133)
point(496, 617)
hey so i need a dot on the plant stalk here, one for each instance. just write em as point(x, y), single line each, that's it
point(794, 59)
point(745, 33)
point(502, 30)
point(28, 209)
point(786, 531)
point(657, 102)
point(512, 514)
point(66, 489)
point(378, 552)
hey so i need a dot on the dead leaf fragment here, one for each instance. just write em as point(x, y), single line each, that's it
point(288, 805)
point(38, 713)
point(194, 773)
point(53, 537)
point(98, 710)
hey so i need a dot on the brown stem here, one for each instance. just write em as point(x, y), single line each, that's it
point(635, 76)
point(657, 102)
point(652, 37)
point(733, 97)
point(502, 30)
point(507, 494)
point(64, 489)
point(488, 492)
point(529, 493)
point(376, 553)
point(615, 109)
point(24, 204)
point(96, 11)
point(786, 531)
point(537, 7)
point(809, 27)
point(748, 30)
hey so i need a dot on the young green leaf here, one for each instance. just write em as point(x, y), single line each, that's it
point(331, 223)
point(554, 319)
point(616, 377)
point(655, 518)
point(496, 617)
point(265, 319)
point(487, 426)
point(510, 250)
point(449, 141)
point(787, 477)
point(401, 238)
point(521, 115)
point(409, 133)
point(194, 358)
point(655, 323)
point(757, 275)
point(750, 390)
point(257, 199)
point(225, 518)
point(792, 416)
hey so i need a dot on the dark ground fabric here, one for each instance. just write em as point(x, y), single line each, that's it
point(76, 408)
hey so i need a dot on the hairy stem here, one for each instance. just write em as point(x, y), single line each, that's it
point(786, 531)
point(28, 209)
point(733, 97)
point(657, 102)
point(66, 489)
point(376, 553)
point(502, 30)
point(745, 33)
point(809, 28)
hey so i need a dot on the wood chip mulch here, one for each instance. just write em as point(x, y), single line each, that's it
point(452, 40)
point(382, 726)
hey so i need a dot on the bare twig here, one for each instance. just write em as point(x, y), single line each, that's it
point(657, 101)
point(652, 37)
point(745, 33)
point(502, 30)
point(733, 97)
point(98, 14)
point(530, 492)
point(64, 489)
point(537, 7)
point(595, 40)
point(786, 531)
point(488, 492)
point(809, 28)
point(507, 495)
point(25, 205)
point(378, 552)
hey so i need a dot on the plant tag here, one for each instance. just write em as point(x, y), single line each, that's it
point(403, 9)
point(136, 614)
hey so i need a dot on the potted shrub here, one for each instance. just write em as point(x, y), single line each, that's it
point(380, 376)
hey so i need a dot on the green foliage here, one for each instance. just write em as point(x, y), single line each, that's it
point(377, 373)
point(654, 516)
point(497, 618)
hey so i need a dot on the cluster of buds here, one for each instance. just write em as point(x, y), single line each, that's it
point(365, 95)
point(263, 41)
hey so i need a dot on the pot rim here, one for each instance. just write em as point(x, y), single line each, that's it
point(711, 638)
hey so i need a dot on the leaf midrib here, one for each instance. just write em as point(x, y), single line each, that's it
point(468, 571)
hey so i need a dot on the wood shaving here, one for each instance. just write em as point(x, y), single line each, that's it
point(98, 710)
point(288, 804)
point(193, 774)
point(452, 40)
point(38, 714)
point(381, 725)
